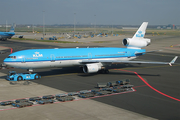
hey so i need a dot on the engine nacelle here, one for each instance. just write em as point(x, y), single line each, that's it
point(92, 68)
point(136, 43)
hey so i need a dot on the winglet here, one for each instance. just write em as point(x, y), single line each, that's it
point(173, 60)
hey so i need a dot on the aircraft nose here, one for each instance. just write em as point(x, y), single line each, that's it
point(6, 61)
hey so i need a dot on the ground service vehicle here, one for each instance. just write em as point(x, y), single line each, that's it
point(46, 101)
point(13, 76)
point(86, 95)
point(73, 93)
point(34, 98)
point(53, 38)
point(6, 103)
point(65, 98)
point(22, 104)
point(61, 95)
point(48, 97)
point(21, 100)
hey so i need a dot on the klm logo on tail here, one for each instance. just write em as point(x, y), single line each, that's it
point(139, 34)
point(141, 31)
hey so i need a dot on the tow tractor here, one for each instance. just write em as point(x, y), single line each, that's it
point(13, 76)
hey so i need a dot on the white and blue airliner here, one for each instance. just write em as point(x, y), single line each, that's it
point(7, 35)
point(91, 59)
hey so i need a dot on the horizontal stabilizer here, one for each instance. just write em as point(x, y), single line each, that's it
point(147, 52)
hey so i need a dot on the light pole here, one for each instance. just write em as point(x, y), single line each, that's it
point(74, 22)
point(95, 24)
point(6, 25)
point(43, 25)
point(32, 28)
point(112, 30)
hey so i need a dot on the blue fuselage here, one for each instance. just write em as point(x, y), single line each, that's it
point(6, 35)
point(38, 58)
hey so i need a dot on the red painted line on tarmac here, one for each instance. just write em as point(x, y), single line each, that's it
point(8, 48)
point(176, 45)
point(150, 85)
point(8, 109)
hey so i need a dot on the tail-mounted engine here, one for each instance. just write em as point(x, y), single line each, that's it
point(136, 43)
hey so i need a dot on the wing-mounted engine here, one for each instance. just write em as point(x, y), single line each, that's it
point(138, 40)
point(136, 43)
point(92, 68)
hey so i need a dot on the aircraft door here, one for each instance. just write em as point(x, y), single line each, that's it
point(52, 58)
point(129, 54)
point(23, 59)
point(89, 56)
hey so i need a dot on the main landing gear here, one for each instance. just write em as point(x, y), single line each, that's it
point(30, 71)
point(103, 71)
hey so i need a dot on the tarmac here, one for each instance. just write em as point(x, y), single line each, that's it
point(156, 87)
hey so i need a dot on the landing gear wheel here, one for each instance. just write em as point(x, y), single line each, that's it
point(36, 76)
point(103, 71)
point(81, 69)
point(106, 71)
point(19, 78)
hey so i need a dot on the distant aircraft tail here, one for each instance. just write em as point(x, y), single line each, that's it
point(13, 28)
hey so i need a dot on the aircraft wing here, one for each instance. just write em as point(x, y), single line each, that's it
point(130, 62)
point(147, 52)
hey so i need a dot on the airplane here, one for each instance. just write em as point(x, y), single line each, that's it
point(68, 36)
point(92, 60)
point(7, 35)
point(99, 35)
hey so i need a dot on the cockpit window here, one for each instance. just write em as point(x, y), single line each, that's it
point(13, 57)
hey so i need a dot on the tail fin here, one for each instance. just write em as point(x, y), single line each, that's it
point(13, 28)
point(138, 41)
point(141, 31)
